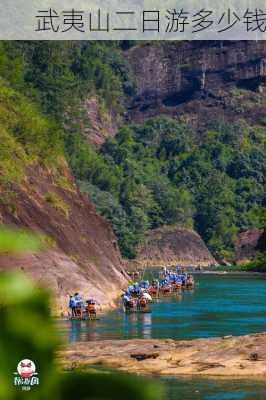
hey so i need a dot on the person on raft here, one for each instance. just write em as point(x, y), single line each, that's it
point(91, 308)
point(147, 296)
point(78, 300)
point(75, 305)
point(142, 302)
point(72, 305)
point(126, 299)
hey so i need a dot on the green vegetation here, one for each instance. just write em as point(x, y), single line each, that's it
point(129, 182)
point(18, 241)
point(157, 174)
point(27, 330)
point(64, 183)
point(257, 265)
point(150, 175)
point(25, 135)
point(57, 202)
point(58, 74)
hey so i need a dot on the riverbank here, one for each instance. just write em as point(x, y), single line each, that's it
point(236, 271)
point(228, 356)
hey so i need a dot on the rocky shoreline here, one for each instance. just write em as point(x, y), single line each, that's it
point(228, 356)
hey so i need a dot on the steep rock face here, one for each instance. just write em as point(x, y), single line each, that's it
point(84, 255)
point(198, 80)
point(101, 124)
point(247, 244)
point(173, 245)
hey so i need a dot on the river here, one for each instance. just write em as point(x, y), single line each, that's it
point(219, 305)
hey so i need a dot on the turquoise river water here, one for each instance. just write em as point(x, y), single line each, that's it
point(219, 305)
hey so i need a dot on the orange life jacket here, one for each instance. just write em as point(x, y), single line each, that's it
point(152, 290)
point(91, 308)
point(142, 302)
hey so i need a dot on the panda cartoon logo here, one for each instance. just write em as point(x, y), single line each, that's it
point(26, 368)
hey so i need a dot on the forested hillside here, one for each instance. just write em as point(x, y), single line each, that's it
point(37, 191)
point(158, 172)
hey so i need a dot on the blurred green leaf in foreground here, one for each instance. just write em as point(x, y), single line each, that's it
point(17, 241)
point(27, 331)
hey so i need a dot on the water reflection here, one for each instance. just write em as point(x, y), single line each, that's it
point(137, 325)
point(147, 325)
point(131, 325)
point(91, 332)
point(220, 305)
point(75, 331)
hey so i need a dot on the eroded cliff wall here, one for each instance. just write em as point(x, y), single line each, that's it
point(198, 81)
point(172, 245)
point(82, 254)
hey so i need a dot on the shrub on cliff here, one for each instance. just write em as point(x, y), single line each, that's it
point(26, 136)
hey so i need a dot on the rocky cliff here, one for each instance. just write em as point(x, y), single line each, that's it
point(199, 81)
point(247, 245)
point(82, 255)
point(99, 123)
point(172, 245)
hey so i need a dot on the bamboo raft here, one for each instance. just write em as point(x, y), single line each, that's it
point(142, 310)
point(169, 291)
point(83, 318)
point(84, 315)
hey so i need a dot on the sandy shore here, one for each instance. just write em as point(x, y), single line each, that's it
point(238, 356)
